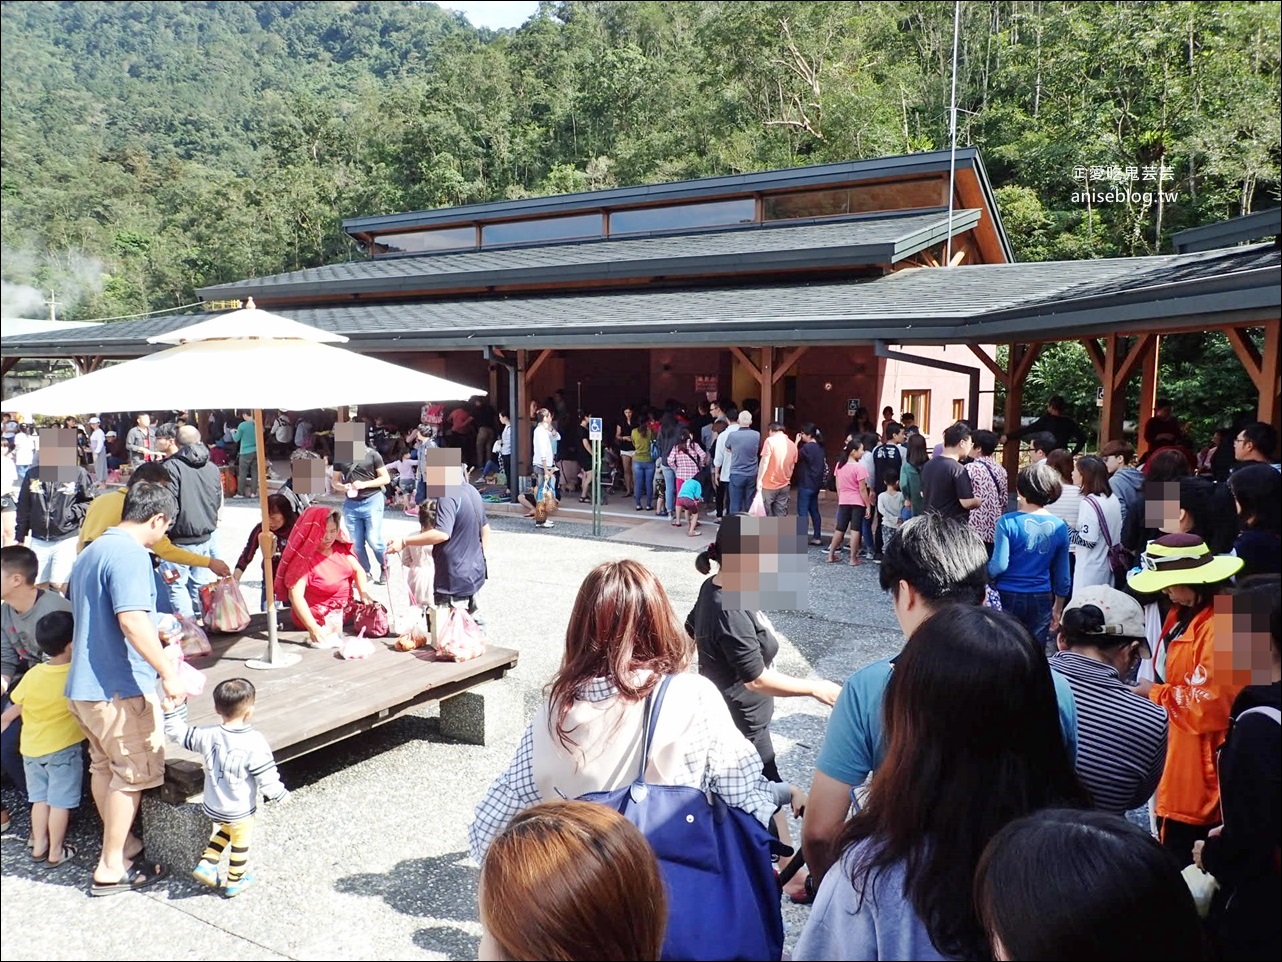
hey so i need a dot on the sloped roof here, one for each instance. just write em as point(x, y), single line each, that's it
point(854, 242)
point(978, 304)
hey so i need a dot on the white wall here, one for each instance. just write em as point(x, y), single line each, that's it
point(945, 387)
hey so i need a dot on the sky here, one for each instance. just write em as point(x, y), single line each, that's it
point(494, 14)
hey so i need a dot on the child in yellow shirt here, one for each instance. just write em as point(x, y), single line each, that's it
point(50, 742)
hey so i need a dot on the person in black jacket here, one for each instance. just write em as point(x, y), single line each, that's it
point(1243, 854)
point(809, 474)
point(52, 502)
point(198, 484)
point(1055, 422)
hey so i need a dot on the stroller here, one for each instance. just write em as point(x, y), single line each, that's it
point(612, 481)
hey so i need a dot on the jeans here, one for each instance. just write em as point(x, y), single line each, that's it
point(865, 530)
point(808, 510)
point(643, 482)
point(100, 467)
point(669, 488)
point(10, 759)
point(184, 594)
point(420, 491)
point(1032, 609)
point(247, 475)
point(364, 519)
point(742, 488)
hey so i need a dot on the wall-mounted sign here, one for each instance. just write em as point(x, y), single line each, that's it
point(852, 407)
point(705, 385)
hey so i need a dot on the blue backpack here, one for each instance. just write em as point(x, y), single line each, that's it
point(723, 900)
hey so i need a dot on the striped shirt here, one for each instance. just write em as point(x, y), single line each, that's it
point(1121, 739)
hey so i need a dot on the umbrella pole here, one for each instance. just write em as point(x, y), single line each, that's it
point(274, 657)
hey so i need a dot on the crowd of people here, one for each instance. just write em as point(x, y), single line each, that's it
point(1084, 715)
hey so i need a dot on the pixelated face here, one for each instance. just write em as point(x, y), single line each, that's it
point(58, 456)
point(443, 472)
point(307, 475)
point(1242, 653)
point(349, 441)
point(1162, 506)
point(770, 570)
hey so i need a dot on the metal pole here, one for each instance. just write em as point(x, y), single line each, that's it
point(952, 126)
point(596, 487)
point(273, 657)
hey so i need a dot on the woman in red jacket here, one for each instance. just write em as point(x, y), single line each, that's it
point(1197, 702)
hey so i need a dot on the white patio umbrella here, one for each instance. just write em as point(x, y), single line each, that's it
point(248, 360)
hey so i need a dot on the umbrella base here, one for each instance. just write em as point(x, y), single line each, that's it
point(282, 660)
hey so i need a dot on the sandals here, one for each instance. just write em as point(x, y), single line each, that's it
point(68, 853)
point(138, 877)
point(585, 500)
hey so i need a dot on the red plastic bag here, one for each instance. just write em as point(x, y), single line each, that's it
point(224, 605)
point(460, 638)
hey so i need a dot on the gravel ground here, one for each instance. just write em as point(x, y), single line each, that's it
point(368, 859)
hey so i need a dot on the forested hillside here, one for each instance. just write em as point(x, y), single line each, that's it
point(182, 144)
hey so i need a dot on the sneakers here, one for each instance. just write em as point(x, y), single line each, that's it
point(206, 874)
point(235, 888)
point(545, 524)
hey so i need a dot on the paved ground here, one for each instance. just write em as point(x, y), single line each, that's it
point(369, 857)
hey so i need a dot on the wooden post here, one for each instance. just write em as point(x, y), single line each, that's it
point(1110, 415)
point(274, 658)
point(1148, 390)
point(521, 439)
point(1270, 387)
point(767, 388)
point(1014, 408)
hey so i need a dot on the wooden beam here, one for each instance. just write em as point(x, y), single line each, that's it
point(1247, 353)
point(747, 362)
point(1030, 353)
point(538, 363)
point(1269, 410)
point(788, 361)
point(1126, 366)
point(1148, 389)
point(1096, 354)
point(990, 363)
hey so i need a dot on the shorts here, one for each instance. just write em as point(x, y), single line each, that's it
point(690, 504)
point(850, 513)
point(125, 741)
point(56, 779)
point(53, 559)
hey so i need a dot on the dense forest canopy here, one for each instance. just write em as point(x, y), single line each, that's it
point(152, 148)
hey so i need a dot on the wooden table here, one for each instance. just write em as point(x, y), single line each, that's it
point(322, 699)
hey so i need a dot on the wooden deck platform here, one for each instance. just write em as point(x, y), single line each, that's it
point(322, 699)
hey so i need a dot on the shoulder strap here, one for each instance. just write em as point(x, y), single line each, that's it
point(1268, 711)
point(989, 468)
point(1099, 513)
point(653, 705)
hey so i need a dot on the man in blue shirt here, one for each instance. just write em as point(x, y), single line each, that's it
point(116, 659)
point(933, 562)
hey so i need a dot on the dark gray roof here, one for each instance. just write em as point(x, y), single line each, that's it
point(978, 304)
point(1237, 230)
point(904, 165)
point(855, 242)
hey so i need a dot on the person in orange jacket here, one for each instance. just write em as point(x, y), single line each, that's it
point(1197, 702)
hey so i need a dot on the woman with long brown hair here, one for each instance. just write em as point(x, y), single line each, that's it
point(973, 741)
point(568, 881)
point(622, 640)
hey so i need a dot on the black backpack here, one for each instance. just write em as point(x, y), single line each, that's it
point(884, 457)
